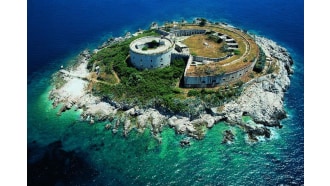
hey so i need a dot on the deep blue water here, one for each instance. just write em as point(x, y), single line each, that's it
point(76, 153)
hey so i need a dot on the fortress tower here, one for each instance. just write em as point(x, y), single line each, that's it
point(151, 52)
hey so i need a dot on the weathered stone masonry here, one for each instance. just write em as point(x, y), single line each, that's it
point(153, 58)
point(164, 55)
point(216, 80)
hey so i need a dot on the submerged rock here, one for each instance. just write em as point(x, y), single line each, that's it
point(228, 137)
point(107, 126)
point(255, 131)
point(185, 142)
point(261, 99)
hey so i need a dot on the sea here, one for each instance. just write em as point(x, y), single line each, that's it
point(63, 150)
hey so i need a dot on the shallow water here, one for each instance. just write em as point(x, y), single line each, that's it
point(76, 153)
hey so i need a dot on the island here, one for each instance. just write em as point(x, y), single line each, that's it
point(188, 76)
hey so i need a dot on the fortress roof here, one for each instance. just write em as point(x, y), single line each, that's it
point(138, 44)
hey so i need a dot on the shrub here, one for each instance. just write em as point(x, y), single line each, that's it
point(145, 48)
point(260, 64)
point(202, 22)
point(206, 91)
point(224, 48)
point(239, 83)
point(237, 52)
point(271, 69)
point(176, 90)
point(193, 92)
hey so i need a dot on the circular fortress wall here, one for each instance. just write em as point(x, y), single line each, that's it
point(151, 52)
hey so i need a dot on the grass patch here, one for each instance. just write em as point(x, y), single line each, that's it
point(119, 81)
point(202, 45)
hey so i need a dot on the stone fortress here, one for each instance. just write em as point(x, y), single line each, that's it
point(151, 52)
point(201, 71)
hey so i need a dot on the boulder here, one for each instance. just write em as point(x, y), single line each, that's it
point(228, 137)
point(184, 143)
point(127, 125)
point(107, 126)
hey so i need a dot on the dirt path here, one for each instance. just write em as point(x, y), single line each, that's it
point(116, 76)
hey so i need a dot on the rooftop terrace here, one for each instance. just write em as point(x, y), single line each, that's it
point(141, 45)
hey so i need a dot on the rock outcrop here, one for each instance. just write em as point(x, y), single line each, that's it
point(228, 137)
point(261, 99)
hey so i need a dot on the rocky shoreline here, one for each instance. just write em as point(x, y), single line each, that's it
point(261, 99)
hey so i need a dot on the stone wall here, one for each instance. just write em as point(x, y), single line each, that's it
point(162, 32)
point(190, 32)
point(179, 55)
point(148, 61)
point(216, 80)
point(201, 58)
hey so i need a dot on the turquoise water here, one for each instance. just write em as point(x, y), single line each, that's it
point(62, 150)
point(140, 160)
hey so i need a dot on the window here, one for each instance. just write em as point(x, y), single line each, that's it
point(224, 79)
point(203, 81)
point(161, 64)
point(161, 59)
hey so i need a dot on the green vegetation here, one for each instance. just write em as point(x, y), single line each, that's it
point(224, 48)
point(151, 45)
point(215, 39)
point(272, 68)
point(217, 97)
point(260, 64)
point(107, 57)
point(251, 75)
point(200, 130)
point(202, 22)
point(193, 54)
point(237, 52)
point(156, 87)
point(211, 48)
point(193, 92)
point(145, 48)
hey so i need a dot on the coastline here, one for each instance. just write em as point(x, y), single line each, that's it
point(262, 100)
